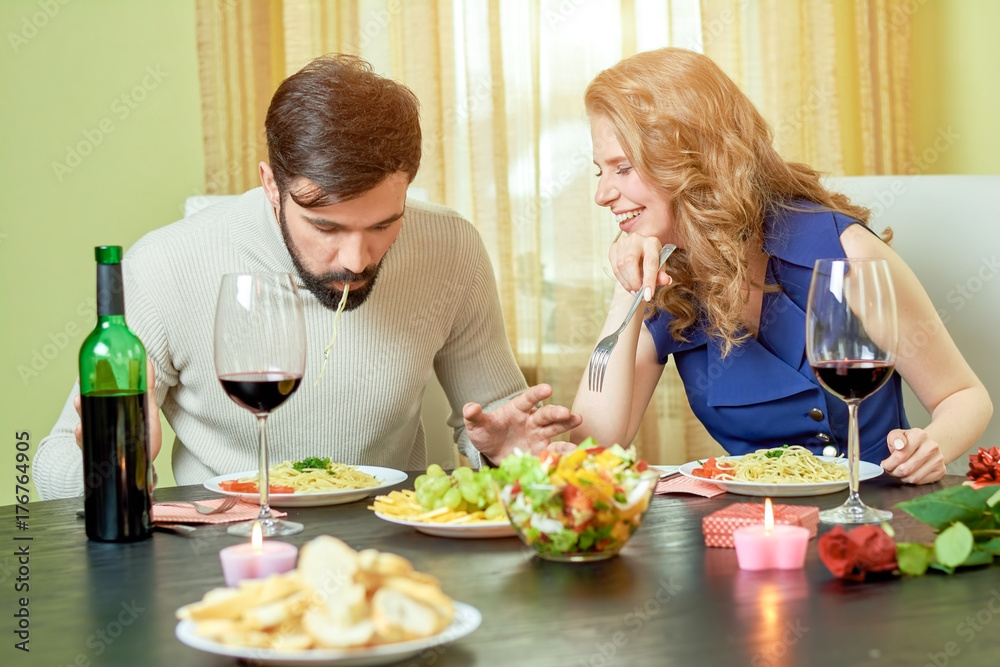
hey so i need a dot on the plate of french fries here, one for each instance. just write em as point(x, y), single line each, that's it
point(339, 606)
point(402, 507)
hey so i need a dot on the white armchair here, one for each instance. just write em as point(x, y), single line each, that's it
point(947, 228)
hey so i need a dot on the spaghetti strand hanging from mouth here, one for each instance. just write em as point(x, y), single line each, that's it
point(333, 338)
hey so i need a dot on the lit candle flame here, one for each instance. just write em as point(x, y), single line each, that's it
point(768, 516)
point(257, 537)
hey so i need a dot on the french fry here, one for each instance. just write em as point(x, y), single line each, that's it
point(404, 505)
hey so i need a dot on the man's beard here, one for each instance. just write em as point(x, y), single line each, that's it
point(319, 285)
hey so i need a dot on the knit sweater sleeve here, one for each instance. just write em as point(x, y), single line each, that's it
point(476, 363)
point(58, 464)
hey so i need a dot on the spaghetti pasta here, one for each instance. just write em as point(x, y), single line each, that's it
point(315, 479)
point(781, 465)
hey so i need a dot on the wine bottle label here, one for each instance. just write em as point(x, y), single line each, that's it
point(110, 292)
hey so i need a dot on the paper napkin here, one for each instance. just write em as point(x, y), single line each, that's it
point(168, 513)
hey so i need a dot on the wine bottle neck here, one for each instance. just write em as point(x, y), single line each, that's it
point(110, 292)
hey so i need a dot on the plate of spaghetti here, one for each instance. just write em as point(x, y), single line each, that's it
point(311, 482)
point(779, 471)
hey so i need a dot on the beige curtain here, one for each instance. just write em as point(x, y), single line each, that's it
point(831, 76)
point(241, 62)
point(506, 139)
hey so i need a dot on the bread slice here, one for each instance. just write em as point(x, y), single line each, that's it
point(333, 635)
point(397, 616)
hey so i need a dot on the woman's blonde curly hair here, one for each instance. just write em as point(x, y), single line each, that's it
point(698, 141)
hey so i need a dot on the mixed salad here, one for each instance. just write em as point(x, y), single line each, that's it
point(590, 500)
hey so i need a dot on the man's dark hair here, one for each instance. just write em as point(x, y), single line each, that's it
point(343, 127)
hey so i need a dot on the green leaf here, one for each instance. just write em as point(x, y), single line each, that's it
point(994, 499)
point(942, 568)
point(954, 545)
point(979, 556)
point(993, 546)
point(913, 558)
point(944, 507)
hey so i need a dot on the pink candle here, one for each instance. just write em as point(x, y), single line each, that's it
point(769, 546)
point(257, 559)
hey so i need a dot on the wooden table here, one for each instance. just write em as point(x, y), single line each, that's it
point(666, 600)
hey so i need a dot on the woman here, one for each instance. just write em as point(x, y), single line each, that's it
point(685, 158)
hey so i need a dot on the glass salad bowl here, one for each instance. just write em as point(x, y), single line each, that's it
point(580, 507)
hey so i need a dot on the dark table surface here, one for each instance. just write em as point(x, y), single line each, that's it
point(666, 600)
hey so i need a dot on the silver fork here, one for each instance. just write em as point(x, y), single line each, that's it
point(599, 357)
point(226, 505)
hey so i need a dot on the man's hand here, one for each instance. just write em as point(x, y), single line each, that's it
point(916, 457)
point(152, 415)
point(520, 424)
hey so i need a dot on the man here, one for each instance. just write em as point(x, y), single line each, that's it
point(343, 145)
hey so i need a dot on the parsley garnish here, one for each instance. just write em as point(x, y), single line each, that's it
point(311, 462)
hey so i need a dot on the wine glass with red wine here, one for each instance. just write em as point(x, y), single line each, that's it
point(260, 356)
point(851, 340)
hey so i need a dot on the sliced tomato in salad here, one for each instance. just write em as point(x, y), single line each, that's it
point(236, 486)
point(579, 508)
point(546, 456)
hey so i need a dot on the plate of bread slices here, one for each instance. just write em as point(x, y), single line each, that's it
point(338, 607)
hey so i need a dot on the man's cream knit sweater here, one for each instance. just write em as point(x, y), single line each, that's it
point(435, 308)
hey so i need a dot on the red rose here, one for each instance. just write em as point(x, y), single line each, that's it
point(984, 466)
point(853, 554)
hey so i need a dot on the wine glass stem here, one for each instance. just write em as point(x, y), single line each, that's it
point(263, 478)
point(853, 451)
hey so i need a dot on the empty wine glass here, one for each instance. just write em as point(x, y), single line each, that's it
point(260, 356)
point(851, 341)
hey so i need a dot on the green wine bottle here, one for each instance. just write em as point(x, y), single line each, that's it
point(117, 468)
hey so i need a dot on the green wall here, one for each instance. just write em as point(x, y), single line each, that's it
point(956, 87)
point(115, 81)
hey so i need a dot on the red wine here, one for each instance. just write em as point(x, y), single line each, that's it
point(852, 378)
point(116, 467)
point(260, 393)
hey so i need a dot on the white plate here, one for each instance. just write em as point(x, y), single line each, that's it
point(469, 531)
point(866, 470)
point(467, 618)
point(386, 476)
